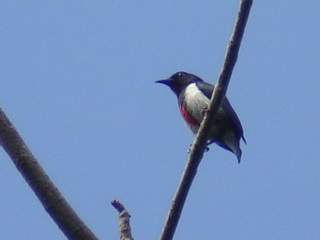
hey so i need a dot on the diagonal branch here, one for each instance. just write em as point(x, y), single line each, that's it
point(52, 200)
point(200, 141)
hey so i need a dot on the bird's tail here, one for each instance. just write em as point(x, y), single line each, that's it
point(229, 142)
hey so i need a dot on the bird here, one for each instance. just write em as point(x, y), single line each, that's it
point(194, 96)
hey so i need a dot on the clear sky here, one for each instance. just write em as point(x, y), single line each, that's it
point(77, 80)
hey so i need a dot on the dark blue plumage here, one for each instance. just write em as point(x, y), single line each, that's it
point(193, 98)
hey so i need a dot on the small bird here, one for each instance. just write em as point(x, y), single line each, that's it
point(193, 98)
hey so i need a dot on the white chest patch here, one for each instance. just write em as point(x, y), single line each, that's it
point(195, 101)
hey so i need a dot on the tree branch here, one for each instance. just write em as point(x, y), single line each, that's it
point(50, 197)
point(200, 141)
point(124, 221)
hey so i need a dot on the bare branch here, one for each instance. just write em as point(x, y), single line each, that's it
point(50, 197)
point(124, 221)
point(200, 141)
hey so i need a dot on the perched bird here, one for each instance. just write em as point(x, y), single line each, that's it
point(193, 98)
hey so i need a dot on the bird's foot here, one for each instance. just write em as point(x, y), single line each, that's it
point(205, 110)
point(189, 149)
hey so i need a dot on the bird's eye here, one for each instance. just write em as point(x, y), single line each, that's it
point(180, 74)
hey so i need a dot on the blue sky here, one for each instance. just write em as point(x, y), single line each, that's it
point(77, 81)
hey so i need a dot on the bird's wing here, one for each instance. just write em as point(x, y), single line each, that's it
point(207, 90)
point(232, 114)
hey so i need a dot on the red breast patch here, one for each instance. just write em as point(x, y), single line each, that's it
point(189, 119)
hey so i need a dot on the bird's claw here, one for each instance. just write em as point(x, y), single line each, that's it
point(189, 149)
point(205, 110)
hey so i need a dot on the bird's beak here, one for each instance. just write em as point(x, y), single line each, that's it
point(164, 81)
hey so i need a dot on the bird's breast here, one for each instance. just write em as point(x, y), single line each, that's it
point(192, 106)
point(188, 117)
point(195, 102)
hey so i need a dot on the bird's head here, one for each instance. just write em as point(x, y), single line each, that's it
point(178, 81)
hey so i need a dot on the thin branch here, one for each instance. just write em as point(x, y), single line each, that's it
point(52, 200)
point(124, 221)
point(200, 141)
